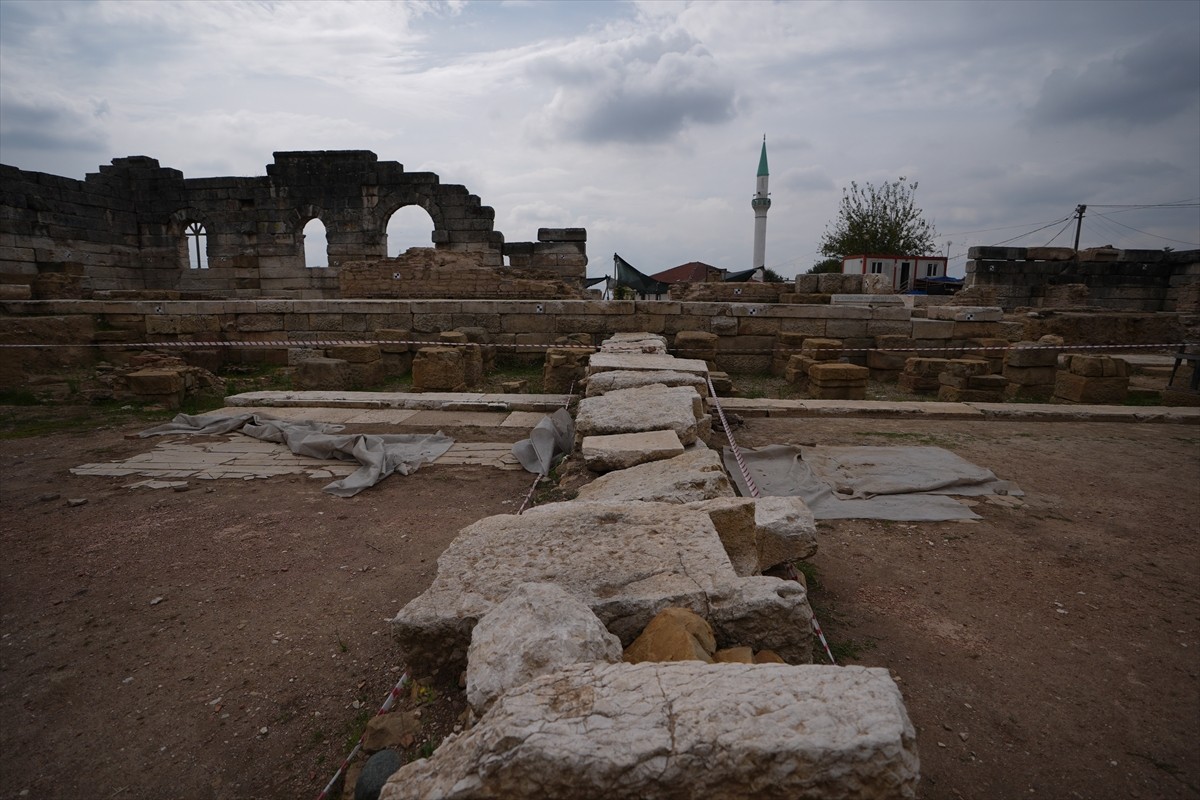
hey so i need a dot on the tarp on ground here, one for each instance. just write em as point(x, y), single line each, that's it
point(907, 484)
point(553, 436)
point(378, 455)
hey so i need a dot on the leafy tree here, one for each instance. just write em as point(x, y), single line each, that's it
point(880, 220)
point(826, 265)
point(771, 276)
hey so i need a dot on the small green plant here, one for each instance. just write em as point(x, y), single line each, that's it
point(18, 397)
point(427, 748)
point(812, 577)
point(341, 643)
point(848, 649)
point(355, 728)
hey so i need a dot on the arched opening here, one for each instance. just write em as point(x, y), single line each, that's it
point(408, 226)
point(196, 239)
point(316, 246)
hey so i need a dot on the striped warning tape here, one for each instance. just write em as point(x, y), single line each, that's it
point(383, 709)
point(312, 343)
point(754, 492)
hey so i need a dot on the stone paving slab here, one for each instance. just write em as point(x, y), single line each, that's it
point(522, 419)
point(450, 401)
point(1047, 412)
point(604, 362)
point(439, 419)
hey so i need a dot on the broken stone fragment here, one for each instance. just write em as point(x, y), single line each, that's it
point(536, 630)
point(686, 729)
point(645, 408)
point(624, 450)
point(626, 561)
point(675, 634)
point(695, 475)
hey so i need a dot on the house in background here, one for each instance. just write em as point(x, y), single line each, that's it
point(691, 272)
point(904, 271)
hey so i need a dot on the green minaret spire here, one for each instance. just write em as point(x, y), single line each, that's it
point(762, 159)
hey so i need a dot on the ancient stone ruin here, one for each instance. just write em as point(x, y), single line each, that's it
point(628, 642)
point(129, 230)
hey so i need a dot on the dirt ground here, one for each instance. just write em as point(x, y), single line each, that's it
point(1051, 649)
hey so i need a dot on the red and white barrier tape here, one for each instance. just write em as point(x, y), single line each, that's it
point(301, 343)
point(383, 709)
point(753, 489)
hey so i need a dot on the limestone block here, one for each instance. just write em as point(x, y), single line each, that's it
point(991, 382)
point(695, 475)
point(152, 382)
point(957, 371)
point(965, 313)
point(650, 343)
point(926, 367)
point(627, 561)
point(932, 329)
point(537, 629)
point(603, 382)
point(1072, 388)
point(889, 360)
point(675, 634)
point(1091, 366)
point(322, 374)
point(645, 408)
point(832, 372)
point(971, 330)
point(604, 362)
point(807, 284)
point(766, 614)
point(1031, 354)
point(624, 450)
point(877, 285)
point(563, 368)
point(735, 655)
point(733, 517)
point(696, 344)
point(354, 353)
point(688, 729)
point(918, 384)
point(439, 369)
point(784, 530)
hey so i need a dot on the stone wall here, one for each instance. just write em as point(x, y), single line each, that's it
point(748, 336)
point(1135, 280)
point(426, 273)
point(122, 229)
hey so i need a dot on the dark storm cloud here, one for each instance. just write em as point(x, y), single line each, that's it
point(1145, 84)
point(45, 127)
point(638, 90)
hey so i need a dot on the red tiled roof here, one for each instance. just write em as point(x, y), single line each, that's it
point(691, 272)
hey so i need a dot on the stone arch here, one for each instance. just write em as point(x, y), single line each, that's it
point(409, 219)
point(389, 205)
point(304, 215)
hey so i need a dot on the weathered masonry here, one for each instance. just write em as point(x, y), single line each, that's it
point(1100, 277)
point(129, 227)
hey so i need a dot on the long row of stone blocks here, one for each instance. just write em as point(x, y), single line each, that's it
point(537, 607)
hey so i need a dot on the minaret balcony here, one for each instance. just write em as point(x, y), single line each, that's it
point(760, 202)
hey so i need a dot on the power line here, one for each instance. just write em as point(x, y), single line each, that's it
point(1060, 232)
point(989, 230)
point(1035, 230)
point(1144, 233)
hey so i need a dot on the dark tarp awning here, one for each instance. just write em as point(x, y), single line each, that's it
point(631, 278)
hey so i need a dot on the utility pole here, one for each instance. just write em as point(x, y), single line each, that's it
point(1079, 209)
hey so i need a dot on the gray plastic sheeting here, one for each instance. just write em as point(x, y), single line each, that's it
point(905, 484)
point(553, 436)
point(378, 455)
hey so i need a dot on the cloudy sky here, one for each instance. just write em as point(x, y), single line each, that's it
point(642, 121)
